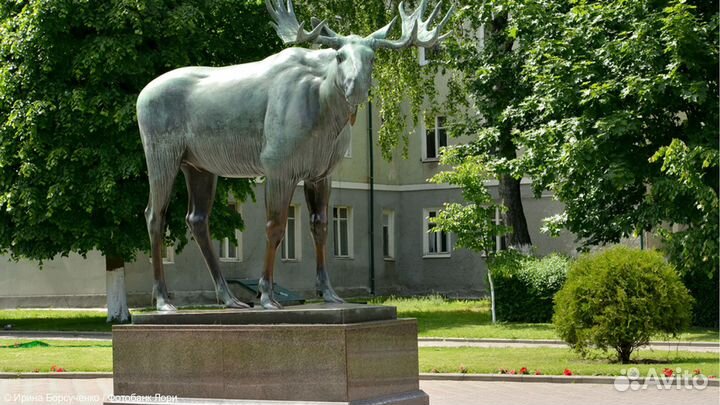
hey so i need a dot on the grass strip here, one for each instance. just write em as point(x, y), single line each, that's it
point(55, 320)
point(437, 317)
point(49, 355)
point(552, 361)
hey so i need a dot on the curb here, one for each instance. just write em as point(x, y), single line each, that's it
point(557, 342)
point(553, 379)
point(62, 375)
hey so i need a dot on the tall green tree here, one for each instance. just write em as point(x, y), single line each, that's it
point(624, 114)
point(614, 105)
point(72, 169)
point(485, 63)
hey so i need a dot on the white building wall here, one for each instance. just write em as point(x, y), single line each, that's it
point(61, 282)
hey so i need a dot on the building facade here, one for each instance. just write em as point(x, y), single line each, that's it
point(378, 243)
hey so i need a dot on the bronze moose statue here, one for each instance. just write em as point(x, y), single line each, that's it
point(286, 118)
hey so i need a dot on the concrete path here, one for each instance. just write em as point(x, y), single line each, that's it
point(93, 391)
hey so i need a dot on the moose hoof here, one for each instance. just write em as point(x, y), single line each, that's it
point(166, 307)
point(269, 303)
point(236, 303)
point(331, 297)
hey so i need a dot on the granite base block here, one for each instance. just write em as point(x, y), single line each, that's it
point(360, 363)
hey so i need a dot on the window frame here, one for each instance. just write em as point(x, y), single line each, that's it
point(426, 231)
point(422, 59)
point(298, 239)
point(436, 132)
point(497, 220)
point(169, 257)
point(391, 233)
point(169, 253)
point(225, 247)
point(336, 232)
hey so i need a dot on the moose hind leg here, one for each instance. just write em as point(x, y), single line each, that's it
point(201, 194)
point(317, 196)
point(160, 192)
point(278, 193)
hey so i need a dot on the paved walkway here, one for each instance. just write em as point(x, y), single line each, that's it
point(92, 392)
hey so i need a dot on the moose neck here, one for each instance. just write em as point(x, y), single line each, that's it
point(334, 101)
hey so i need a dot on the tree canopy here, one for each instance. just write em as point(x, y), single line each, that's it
point(624, 122)
point(72, 170)
point(614, 105)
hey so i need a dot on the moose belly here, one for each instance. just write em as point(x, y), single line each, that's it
point(238, 157)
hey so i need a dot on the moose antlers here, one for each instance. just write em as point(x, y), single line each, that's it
point(290, 31)
point(414, 30)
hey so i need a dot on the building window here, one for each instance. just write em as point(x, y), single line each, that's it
point(435, 139)
point(499, 240)
point(227, 251)
point(388, 234)
point(168, 254)
point(435, 244)
point(342, 231)
point(427, 55)
point(291, 241)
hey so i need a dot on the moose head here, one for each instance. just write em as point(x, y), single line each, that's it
point(354, 55)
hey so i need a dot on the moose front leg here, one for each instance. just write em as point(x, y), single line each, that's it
point(278, 193)
point(317, 196)
point(201, 187)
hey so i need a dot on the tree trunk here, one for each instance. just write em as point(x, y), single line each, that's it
point(509, 187)
point(492, 296)
point(624, 351)
point(519, 237)
point(117, 308)
point(509, 190)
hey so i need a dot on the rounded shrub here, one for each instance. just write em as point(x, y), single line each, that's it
point(618, 298)
point(525, 285)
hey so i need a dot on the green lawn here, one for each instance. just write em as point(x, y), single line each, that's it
point(552, 361)
point(438, 317)
point(71, 355)
point(55, 320)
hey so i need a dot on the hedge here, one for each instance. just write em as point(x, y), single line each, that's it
point(525, 285)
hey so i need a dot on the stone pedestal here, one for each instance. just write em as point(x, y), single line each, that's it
point(310, 354)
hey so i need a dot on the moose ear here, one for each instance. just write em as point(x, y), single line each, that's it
point(383, 32)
